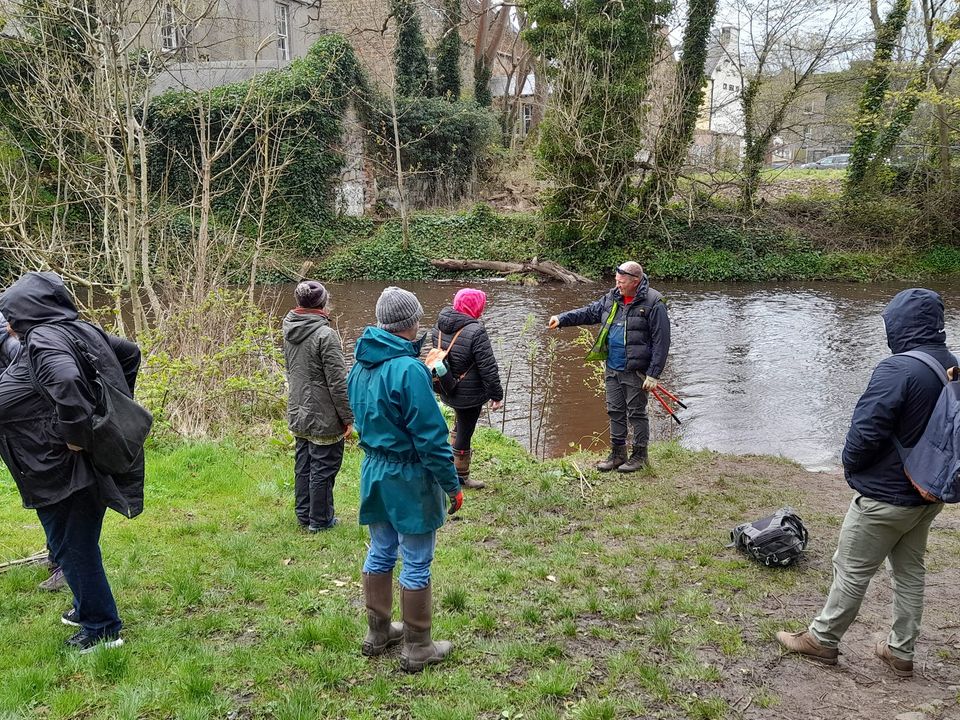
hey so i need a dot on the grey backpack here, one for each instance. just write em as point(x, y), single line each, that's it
point(776, 540)
point(933, 464)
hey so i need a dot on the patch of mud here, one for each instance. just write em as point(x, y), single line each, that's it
point(860, 686)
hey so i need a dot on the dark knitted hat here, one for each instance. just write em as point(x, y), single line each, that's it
point(311, 294)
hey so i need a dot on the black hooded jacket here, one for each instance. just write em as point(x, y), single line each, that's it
point(37, 423)
point(898, 400)
point(472, 354)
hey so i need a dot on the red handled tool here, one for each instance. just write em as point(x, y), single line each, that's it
point(666, 407)
point(660, 398)
point(670, 395)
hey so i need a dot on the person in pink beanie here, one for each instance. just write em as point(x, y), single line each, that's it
point(469, 375)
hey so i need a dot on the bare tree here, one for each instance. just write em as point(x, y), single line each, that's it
point(81, 192)
point(784, 45)
point(880, 131)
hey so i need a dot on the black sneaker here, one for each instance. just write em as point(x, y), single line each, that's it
point(320, 528)
point(87, 643)
point(70, 618)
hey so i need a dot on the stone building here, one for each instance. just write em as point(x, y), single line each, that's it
point(719, 133)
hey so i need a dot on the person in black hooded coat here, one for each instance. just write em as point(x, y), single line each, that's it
point(888, 519)
point(46, 413)
point(472, 376)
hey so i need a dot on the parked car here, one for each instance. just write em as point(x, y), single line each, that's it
point(830, 162)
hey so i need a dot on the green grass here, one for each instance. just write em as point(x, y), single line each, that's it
point(560, 605)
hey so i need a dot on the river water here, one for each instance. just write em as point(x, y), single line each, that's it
point(765, 368)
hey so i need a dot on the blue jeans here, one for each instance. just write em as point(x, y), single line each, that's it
point(417, 552)
point(73, 528)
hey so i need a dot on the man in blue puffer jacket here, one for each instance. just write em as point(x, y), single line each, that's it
point(888, 519)
point(405, 479)
point(635, 335)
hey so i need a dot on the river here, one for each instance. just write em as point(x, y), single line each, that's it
point(764, 368)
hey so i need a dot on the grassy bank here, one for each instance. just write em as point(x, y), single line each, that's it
point(797, 239)
point(568, 595)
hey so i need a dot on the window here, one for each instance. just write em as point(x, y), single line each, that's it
point(282, 13)
point(527, 118)
point(168, 28)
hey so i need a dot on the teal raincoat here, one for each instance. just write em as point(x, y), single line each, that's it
point(407, 468)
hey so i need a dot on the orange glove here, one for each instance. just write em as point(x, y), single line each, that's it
point(456, 501)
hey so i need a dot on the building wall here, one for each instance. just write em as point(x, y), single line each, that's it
point(726, 115)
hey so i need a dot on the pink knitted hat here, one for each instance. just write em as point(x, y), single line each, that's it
point(470, 302)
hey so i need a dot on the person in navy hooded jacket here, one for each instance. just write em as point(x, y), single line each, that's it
point(888, 519)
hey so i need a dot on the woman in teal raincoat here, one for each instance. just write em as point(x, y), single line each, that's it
point(405, 479)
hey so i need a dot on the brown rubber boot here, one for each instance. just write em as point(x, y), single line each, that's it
point(616, 458)
point(806, 644)
point(381, 633)
point(901, 668)
point(638, 460)
point(461, 459)
point(419, 650)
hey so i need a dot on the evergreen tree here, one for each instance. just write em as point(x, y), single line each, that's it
point(412, 67)
point(481, 83)
point(448, 52)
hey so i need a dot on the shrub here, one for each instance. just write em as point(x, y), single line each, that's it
point(301, 108)
point(213, 368)
point(443, 144)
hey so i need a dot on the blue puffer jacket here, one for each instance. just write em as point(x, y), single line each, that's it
point(407, 468)
point(898, 400)
point(646, 326)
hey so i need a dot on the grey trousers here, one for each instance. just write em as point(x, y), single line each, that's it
point(872, 532)
point(627, 402)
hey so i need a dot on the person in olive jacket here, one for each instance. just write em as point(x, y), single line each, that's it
point(46, 424)
point(471, 376)
point(405, 479)
point(318, 411)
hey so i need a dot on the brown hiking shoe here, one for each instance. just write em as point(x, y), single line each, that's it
point(901, 668)
point(638, 460)
point(616, 458)
point(803, 643)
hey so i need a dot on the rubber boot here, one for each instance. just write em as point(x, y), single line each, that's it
point(419, 650)
point(616, 458)
point(637, 461)
point(461, 459)
point(381, 633)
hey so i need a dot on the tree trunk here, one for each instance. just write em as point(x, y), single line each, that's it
point(676, 134)
point(547, 268)
point(874, 91)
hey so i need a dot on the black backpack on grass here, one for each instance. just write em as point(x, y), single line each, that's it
point(776, 540)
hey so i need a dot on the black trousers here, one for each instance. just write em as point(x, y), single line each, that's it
point(465, 425)
point(73, 529)
point(315, 471)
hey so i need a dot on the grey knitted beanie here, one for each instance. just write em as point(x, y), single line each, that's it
point(311, 294)
point(398, 309)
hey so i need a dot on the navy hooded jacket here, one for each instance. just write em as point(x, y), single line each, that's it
point(899, 399)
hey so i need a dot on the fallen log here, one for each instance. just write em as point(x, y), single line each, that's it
point(547, 268)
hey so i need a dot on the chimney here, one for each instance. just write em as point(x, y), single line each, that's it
point(730, 40)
